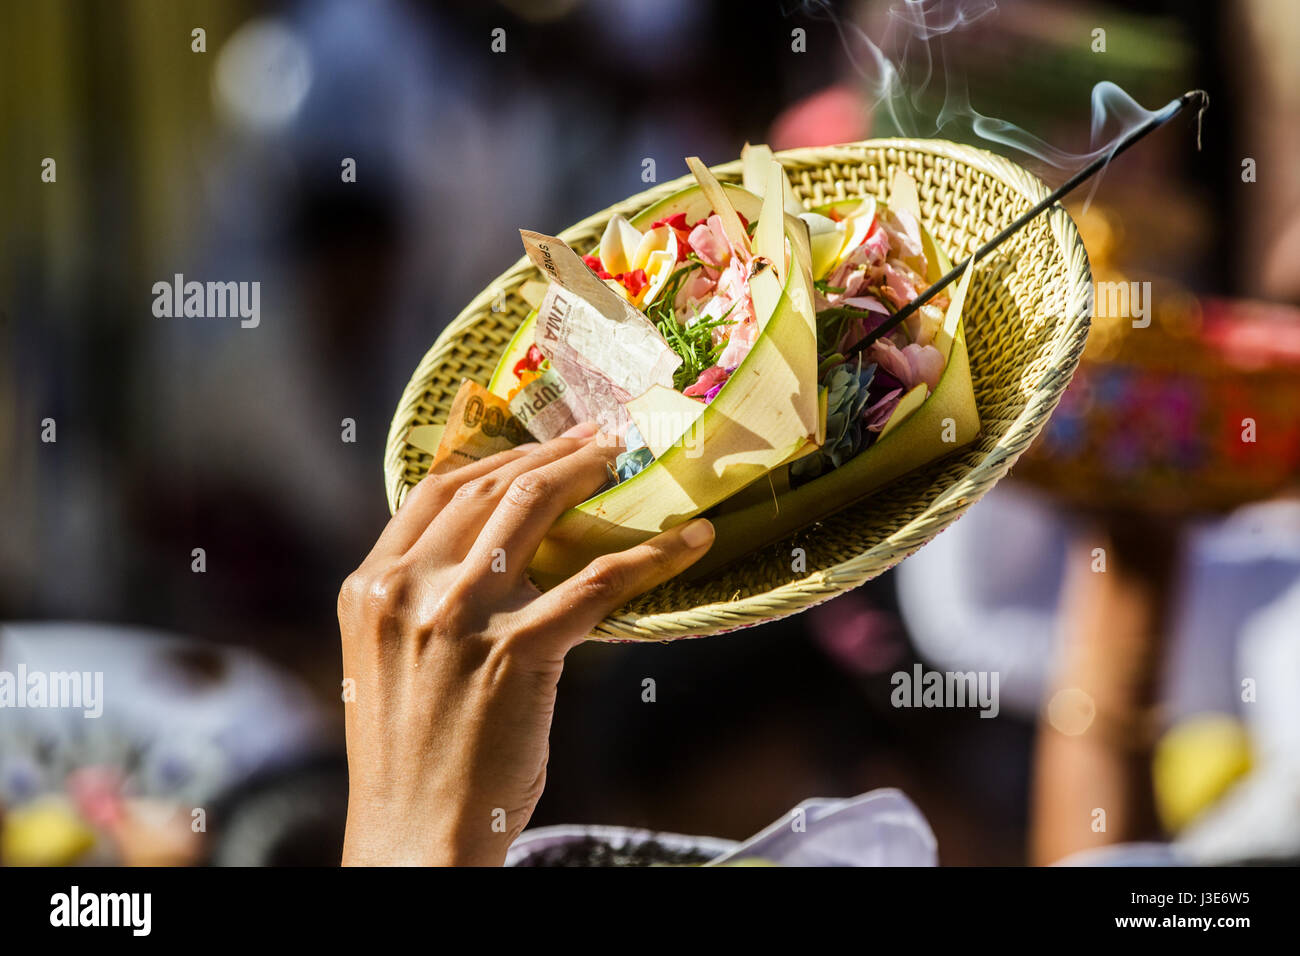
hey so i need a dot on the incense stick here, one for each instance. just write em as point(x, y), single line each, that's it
point(1172, 109)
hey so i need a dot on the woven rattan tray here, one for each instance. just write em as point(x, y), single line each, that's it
point(1026, 322)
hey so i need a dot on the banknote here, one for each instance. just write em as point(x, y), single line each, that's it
point(479, 424)
point(604, 349)
point(547, 407)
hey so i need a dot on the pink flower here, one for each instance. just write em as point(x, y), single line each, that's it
point(860, 325)
point(869, 302)
point(860, 268)
point(730, 298)
point(709, 241)
point(712, 377)
point(739, 342)
point(911, 365)
point(697, 287)
point(904, 235)
point(900, 282)
point(876, 246)
point(876, 416)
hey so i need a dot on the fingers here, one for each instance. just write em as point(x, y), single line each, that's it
point(460, 523)
point(570, 611)
point(430, 495)
point(530, 504)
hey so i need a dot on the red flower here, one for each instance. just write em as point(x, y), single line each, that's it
point(530, 362)
point(634, 282)
point(594, 264)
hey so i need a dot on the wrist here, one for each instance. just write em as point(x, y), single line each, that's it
point(386, 835)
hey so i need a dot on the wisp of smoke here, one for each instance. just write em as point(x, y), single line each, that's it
point(896, 83)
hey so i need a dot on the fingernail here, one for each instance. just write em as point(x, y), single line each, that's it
point(697, 533)
point(585, 430)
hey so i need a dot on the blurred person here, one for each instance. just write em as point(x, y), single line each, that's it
point(159, 729)
point(1112, 659)
point(1262, 41)
point(1137, 667)
point(1226, 788)
point(1092, 767)
point(1220, 775)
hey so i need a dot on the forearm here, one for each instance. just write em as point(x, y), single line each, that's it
point(1092, 775)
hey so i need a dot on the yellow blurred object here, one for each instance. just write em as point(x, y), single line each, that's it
point(1195, 763)
point(45, 832)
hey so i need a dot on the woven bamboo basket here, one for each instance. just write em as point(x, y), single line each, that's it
point(1027, 319)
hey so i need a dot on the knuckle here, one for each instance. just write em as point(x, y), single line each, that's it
point(531, 489)
point(603, 578)
point(661, 560)
point(478, 489)
point(351, 592)
point(387, 590)
point(428, 486)
point(377, 601)
point(451, 615)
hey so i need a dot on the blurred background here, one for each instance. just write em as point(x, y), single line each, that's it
point(128, 440)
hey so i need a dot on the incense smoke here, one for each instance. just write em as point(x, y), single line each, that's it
point(897, 81)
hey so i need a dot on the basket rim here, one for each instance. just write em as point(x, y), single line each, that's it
point(1064, 351)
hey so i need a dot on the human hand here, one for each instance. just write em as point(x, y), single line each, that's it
point(454, 656)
